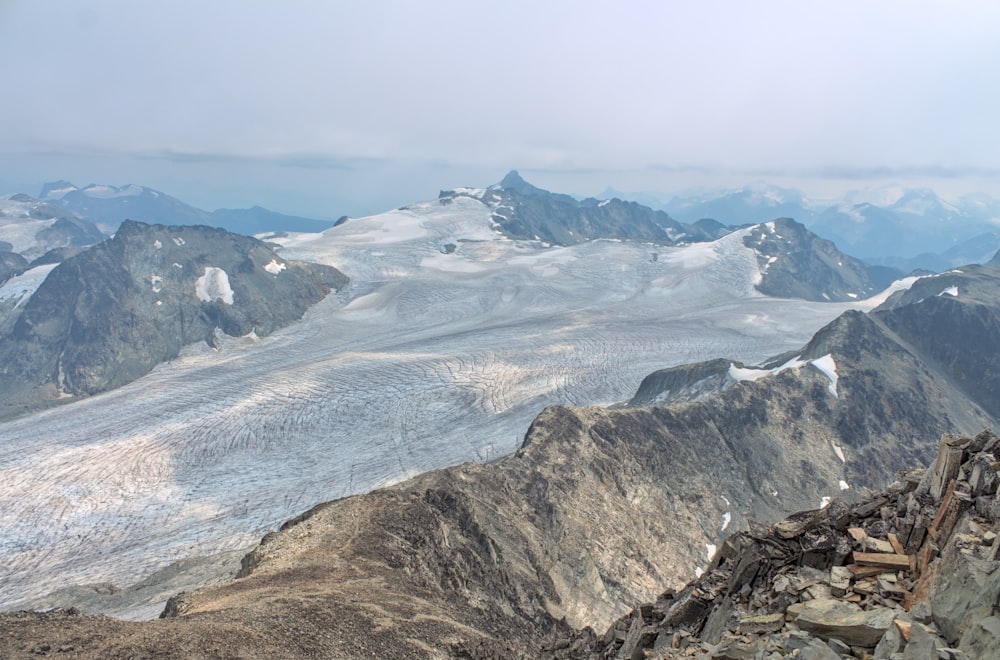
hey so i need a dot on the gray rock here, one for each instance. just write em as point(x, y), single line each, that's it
point(891, 642)
point(921, 645)
point(834, 618)
point(817, 650)
point(982, 638)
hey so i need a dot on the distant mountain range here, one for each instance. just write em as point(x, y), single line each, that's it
point(109, 206)
point(892, 225)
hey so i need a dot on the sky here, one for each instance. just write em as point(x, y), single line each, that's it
point(327, 108)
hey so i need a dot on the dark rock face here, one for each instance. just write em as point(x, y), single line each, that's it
point(523, 211)
point(953, 319)
point(798, 264)
point(111, 313)
point(11, 264)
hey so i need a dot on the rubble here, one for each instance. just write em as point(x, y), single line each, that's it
point(910, 573)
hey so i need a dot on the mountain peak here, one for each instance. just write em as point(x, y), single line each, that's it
point(514, 181)
point(56, 190)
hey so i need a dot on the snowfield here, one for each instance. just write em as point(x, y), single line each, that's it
point(427, 360)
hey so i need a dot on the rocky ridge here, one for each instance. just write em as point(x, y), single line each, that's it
point(109, 314)
point(913, 572)
point(525, 212)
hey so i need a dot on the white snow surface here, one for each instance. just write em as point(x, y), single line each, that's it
point(844, 485)
point(727, 518)
point(825, 502)
point(839, 451)
point(416, 366)
point(20, 288)
point(213, 285)
point(274, 267)
point(828, 366)
point(950, 291)
point(749, 373)
point(709, 551)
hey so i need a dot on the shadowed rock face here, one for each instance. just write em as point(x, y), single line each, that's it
point(798, 264)
point(108, 315)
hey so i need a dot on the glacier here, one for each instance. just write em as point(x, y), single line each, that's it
point(429, 358)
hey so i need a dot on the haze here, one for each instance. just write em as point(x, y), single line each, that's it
point(331, 108)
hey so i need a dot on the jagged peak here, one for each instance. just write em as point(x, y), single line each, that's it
point(514, 181)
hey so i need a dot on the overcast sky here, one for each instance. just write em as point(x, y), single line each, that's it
point(327, 108)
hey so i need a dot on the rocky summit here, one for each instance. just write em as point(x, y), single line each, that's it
point(109, 314)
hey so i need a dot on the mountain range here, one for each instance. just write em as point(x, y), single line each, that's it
point(893, 226)
point(600, 508)
point(744, 373)
point(109, 205)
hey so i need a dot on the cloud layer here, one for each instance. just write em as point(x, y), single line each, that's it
point(848, 88)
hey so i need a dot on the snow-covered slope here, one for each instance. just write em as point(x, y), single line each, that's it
point(449, 341)
point(32, 227)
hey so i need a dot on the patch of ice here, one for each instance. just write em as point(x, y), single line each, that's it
point(844, 485)
point(214, 285)
point(157, 244)
point(770, 226)
point(178, 266)
point(605, 202)
point(274, 267)
point(178, 241)
point(746, 373)
point(157, 283)
point(950, 291)
point(852, 295)
point(827, 365)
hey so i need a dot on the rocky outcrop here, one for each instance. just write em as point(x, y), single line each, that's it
point(907, 573)
point(111, 313)
point(795, 263)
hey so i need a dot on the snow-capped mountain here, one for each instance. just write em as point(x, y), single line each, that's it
point(109, 205)
point(888, 225)
point(450, 338)
point(31, 227)
point(526, 212)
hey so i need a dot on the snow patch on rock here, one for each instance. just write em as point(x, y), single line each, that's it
point(274, 267)
point(214, 285)
point(827, 365)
